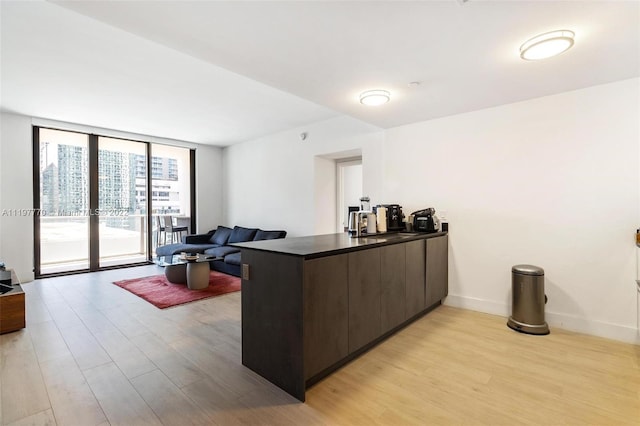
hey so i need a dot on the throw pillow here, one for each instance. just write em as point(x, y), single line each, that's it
point(269, 235)
point(221, 236)
point(240, 234)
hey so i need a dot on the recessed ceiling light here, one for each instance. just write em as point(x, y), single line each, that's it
point(374, 97)
point(546, 45)
point(413, 84)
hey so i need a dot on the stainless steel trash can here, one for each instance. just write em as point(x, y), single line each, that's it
point(528, 300)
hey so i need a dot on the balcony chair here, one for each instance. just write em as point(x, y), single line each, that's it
point(166, 223)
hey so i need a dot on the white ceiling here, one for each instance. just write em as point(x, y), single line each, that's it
point(222, 72)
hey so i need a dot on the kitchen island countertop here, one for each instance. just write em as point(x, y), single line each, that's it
point(314, 246)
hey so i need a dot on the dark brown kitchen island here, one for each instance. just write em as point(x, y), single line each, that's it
point(311, 304)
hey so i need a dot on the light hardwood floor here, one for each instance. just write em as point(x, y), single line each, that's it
point(94, 354)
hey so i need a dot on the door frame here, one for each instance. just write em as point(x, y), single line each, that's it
point(341, 164)
point(94, 255)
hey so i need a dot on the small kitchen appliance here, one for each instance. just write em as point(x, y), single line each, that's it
point(425, 220)
point(354, 227)
point(394, 217)
point(362, 223)
point(365, 204)
point(366, 223)
point(371, 223)
point(381, 218)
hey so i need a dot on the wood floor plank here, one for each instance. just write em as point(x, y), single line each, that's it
point(177, 368)
point(71, 398)
point(131, 361)
point(18, 341)
point(123, 320)
point(221, 332)
point(47, 341)
point(187, 317)
point(231, 374)
point(275, 406)
point(43, 418)
point(120, 402)
point(94, 320)
point(37, 311)
point(46, 292)
point(84, 347)
point(162, 327)
point(221, 406)
point(63, 315)
point(23, 390)
point(168, 402)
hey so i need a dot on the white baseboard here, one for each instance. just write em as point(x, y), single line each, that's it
point(564, 321)
point(480, 305)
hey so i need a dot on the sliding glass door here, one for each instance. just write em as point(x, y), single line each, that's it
point(170, 191)
point(122, 185)
point(97, 198)
point(63, 211)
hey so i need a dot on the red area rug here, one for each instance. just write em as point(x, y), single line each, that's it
point(163, 294)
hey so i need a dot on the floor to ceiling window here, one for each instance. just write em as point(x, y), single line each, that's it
point(170, 191)
point(122, 215)
point(92, 198)
point(64, 200)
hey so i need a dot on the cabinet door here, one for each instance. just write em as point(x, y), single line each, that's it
point(392, 278)
point(364, 297)
point(415, 281)
point(326, 326)
point(272, 315)
point(437, 270)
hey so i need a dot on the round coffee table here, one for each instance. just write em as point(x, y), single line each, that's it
point(197, 275)
point(176, 273)
point(192, 272)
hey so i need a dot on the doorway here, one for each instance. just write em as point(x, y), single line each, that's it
point(348, 191)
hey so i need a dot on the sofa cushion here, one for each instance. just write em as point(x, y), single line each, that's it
point(233, 258)
point(221, 251)
point(177, 248)
point(269, 235)
point(240, 234)
point(226, 268)
point(198, 238)
point(221, 235)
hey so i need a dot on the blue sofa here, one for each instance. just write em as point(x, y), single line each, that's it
point(215, 243)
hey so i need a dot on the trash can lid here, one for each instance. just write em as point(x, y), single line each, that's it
point(527, 270)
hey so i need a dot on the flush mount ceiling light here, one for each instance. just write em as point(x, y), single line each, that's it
point(546, 45)
point(374, 97)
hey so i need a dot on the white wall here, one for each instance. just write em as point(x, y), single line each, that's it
point(551, 181)
point(16, 183)
point(274, 182)
point(209, 212)
point(324, 174)
point(351, 190)
point(16, 187)
point(352, 178)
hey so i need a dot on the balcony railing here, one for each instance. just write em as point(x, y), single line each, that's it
point(64, 241)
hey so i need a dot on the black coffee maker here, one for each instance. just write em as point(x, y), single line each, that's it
point(394, 217)
point(425, 220)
